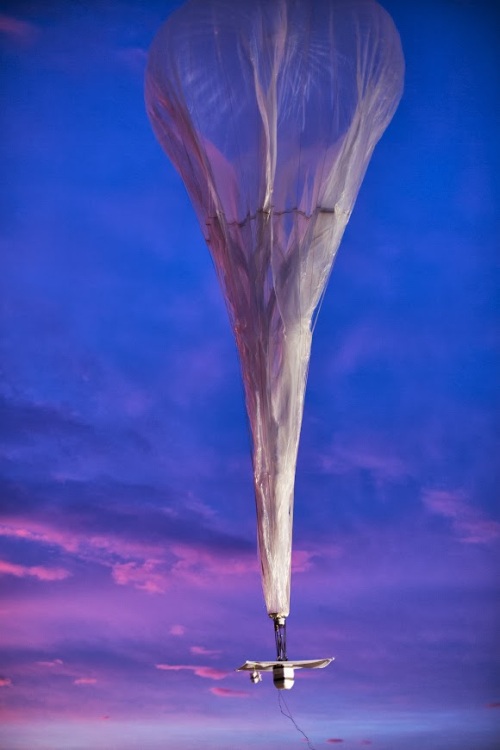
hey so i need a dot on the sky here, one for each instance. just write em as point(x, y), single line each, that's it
point(129, 578)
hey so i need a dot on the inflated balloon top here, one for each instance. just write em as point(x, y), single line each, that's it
point(270, 110)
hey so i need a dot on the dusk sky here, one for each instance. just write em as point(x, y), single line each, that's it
point(129, 579)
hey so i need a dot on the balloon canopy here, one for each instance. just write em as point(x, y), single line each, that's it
point(270, 110)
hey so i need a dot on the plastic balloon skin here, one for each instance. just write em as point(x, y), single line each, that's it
point(270, 110)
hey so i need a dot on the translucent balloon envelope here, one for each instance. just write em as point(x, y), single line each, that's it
point(270, 110)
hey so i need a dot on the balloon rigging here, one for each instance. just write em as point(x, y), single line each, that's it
point(270, 111)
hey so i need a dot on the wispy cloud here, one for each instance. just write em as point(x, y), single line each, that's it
point(22, 419)
point(360, 344)
point(202, 651)
point(17, 29)
point(302, 560)
point(195, 562)
point(40, 572)
point(41, 533)
point(146, 554)
point(223, 692)
point(468, 522)
point(85, 681)
point(334, 741)
point(134, 58)
point(209, 673)
point(363, 453)
point(135, 566)
point(51, 664)
point(177, 630)
point(144, 576)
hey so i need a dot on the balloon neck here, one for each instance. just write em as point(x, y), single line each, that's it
point(280, 636)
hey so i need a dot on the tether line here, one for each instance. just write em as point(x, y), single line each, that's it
point(282, 702)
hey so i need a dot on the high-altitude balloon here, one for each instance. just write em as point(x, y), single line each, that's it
point(270, 110)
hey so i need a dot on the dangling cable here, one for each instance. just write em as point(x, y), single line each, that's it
point(282, 702)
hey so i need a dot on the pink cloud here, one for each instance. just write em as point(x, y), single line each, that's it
point(301, 560)
point(5, 682)
point(358, 346)
point(198, 563)
point(146, 566)
point(133, 57)
point(479, 530)
point(34, 571)
point(334, 741)
point(17, 29)
point(36, 532)
point(468, 523)
point(222, 692)
point(144, 576)
point(85, 681)
point(50, 664)
point(177, 630)
point(55, 667)
point(209, 673)
point(115, 545)
point(374, 341)
point(445, 503)
point(202, 651)
point(139, 562)
point(173, 667)
point(123, 396)
point(363, 454)
point(95, 547)
point(495, 704)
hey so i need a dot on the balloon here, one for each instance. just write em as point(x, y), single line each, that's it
point(270, 110)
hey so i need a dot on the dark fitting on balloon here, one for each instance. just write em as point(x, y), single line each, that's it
point(280, 637)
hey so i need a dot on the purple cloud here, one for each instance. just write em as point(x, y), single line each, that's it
point(85, 681)
point(144, 576)
point(302, 560)
point(196, 562)
point(363, 453)
point(139, 557)
point(202, 651)
point(177, 630)
point(134, 58)
point(209, 673)
point(362, 343)
point(51, 664)
point(41, 572)
point(17, 29)
point(41, 532)
point(223, 692)
point(469, 523)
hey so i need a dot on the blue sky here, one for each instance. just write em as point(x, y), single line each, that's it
point(127, 526)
